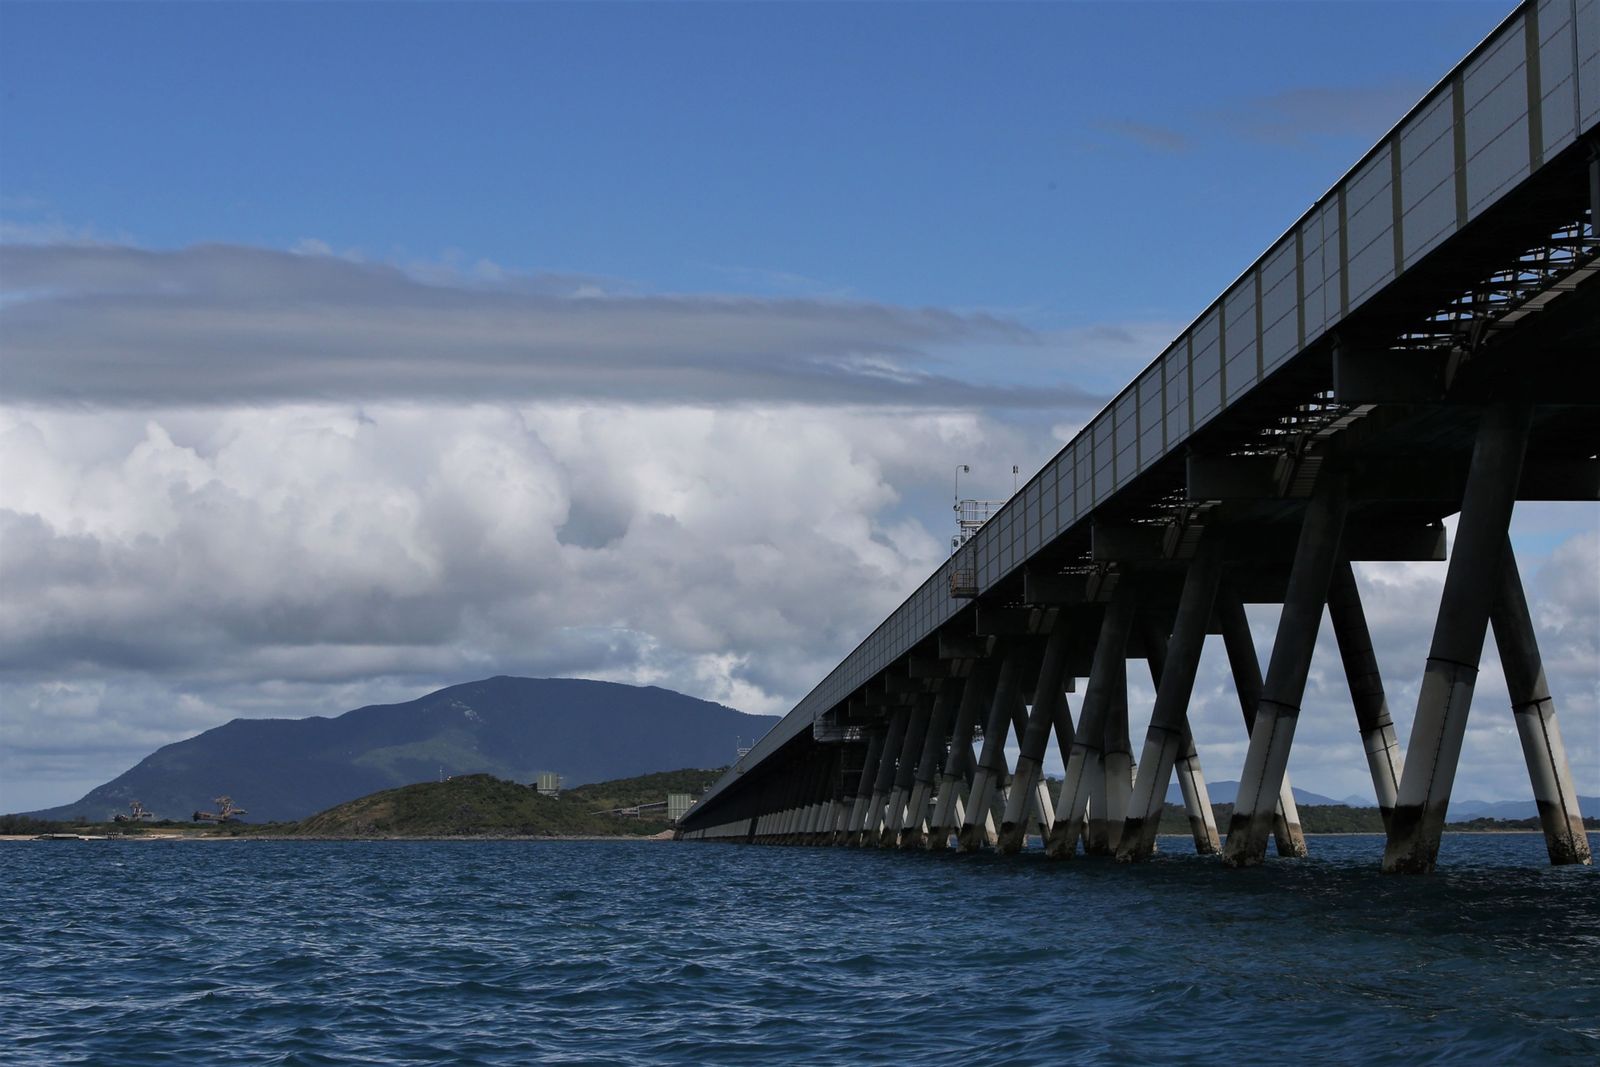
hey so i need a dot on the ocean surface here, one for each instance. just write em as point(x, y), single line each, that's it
point(259, 952)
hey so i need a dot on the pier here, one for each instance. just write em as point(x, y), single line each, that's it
point(1424, 341)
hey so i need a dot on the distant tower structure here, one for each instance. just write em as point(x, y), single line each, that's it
point(548, 784)
point(740, 749)
point(970, 516)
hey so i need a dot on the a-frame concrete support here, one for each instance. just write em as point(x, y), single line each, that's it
point(1366, 688)
point(1168, 738)
point(990, 773)
point(1535, 713)
point(1028, 789)
point(1247, 681)
point(1106, 671)
point(1272, 734)
point(914, 833)
point(948, 810)
point(1470, 586)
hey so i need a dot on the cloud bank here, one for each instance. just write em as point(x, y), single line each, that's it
point(113, 325)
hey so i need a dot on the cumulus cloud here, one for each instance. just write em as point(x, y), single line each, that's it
point(167, 570)
point(114, 325)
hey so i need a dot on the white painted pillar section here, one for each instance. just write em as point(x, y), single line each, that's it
point(1065, 735)
point(1110, 648)
point(1366, 688)
point(880, 790)
point(1028, 779)
point(1168, 740)
point(1470, 582)
point(1272, 734)
point(1247, 683)
point(948, 808)
point(1191, 779)
point(913, 833)
point(1112, 780)
point(991, 764)
point(1535, 713)
point(869, 774)
point(905, 771)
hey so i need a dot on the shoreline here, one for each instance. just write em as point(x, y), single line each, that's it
point(653, 838)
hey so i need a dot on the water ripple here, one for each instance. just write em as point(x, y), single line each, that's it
point(257, 952)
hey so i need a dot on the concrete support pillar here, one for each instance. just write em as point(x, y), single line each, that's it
point(869, 775)
point(948, 810)
point(1168, 742)
point(914, 834)
point(1247, 682)
point(1027, 780)
point(1272, 734)
point(892, 743)
point(1366, 688)
point(1452, 671)
point(1535, 714)
point(1191, 779)
point(1110, 652)
point(905, 772)
point(1112, 780)
point(990, 771)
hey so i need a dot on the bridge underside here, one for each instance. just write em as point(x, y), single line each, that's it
point(1467, 383)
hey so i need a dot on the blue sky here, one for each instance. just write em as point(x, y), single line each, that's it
point(354, 350)
point(1064, 162)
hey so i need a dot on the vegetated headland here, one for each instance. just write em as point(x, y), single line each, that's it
point(465, 806)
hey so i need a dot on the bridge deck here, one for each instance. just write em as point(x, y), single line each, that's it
point(1459, 247)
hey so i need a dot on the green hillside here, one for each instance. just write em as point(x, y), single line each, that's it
point(480, 805)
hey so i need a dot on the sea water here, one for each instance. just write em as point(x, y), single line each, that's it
point(258, 952)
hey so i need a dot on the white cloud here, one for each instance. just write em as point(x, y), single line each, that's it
point(167, 570)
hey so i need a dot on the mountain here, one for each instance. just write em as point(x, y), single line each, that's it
point(512, 728)
point(1510, 809)
point(1227, 791)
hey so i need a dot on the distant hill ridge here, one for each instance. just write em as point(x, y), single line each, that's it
point(511, 728)
point(1227, 790)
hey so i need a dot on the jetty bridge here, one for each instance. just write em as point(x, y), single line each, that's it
point(1423, 341)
